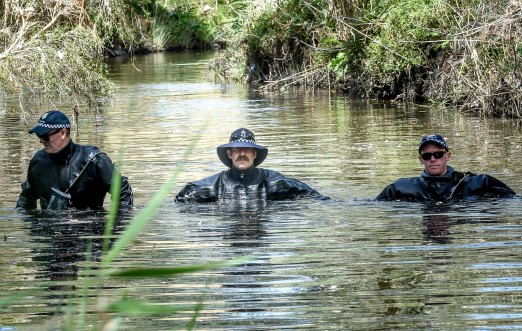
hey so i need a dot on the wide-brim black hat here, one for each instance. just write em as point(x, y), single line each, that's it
point(50, 121)
point(242, 138)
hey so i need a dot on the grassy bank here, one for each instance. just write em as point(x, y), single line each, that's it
point(54, 49)
point(52, 52)
point(463, 53)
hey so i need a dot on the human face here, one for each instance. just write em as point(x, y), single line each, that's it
point(54, 141)
point(242, 157)
point(433, 166)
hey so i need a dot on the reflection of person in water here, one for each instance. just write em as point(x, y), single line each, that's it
point(246, 233)
point(243, 179)
point(437, 224)
point(63, 239)
point(243, 221)
point(246, 230)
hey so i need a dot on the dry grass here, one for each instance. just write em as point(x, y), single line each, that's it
point(53, 50)
point(483, 71)
point(464, 53)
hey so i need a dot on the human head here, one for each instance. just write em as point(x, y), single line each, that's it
point(431, 147)
point(242, 144)
point(53, 129)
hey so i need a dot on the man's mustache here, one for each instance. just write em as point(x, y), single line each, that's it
point(242, 158)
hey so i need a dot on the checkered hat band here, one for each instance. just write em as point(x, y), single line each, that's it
point(241, 140)
point(54, 126)
point(440, 142)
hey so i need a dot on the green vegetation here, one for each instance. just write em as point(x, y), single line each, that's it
point(55, 49)
point(176, 24)
point(464, 53)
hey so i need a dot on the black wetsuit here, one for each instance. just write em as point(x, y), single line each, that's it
point(254, 183)
point(452, 185)
point(60, 170)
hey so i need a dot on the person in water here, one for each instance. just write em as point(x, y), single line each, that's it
point(243, 179)
point(64, 174)
point(440, 182)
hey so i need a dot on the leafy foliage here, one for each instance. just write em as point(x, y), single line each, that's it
point(181, 25)
point(404, 31)
point(456, 52)
point(54, 49)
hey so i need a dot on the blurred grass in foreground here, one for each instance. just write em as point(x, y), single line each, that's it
point(95, 310)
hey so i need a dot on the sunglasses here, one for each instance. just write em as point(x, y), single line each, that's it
point(437, 155)
point(45, 137)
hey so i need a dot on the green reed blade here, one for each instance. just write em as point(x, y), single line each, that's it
point(129, 306)
point(197, 310)
point(173, 271)
point(145, 215)
point(15, 297)
point(113, 212)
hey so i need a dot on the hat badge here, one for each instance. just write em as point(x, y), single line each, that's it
point(243, 136)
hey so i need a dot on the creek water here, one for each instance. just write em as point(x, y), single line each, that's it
point(346, 263)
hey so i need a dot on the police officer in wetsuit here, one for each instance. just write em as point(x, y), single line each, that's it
point(64, 174)
point(440, 182)
point(243, 179)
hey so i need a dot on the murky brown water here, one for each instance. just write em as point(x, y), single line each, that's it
point(347, 263)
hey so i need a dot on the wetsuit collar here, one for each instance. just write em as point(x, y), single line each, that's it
point(447, 176)
point(64, 154)
point(245, 177)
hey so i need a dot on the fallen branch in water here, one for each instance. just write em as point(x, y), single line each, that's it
point(292, 79)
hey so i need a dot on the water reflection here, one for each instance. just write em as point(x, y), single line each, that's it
point(243, 221)
point(248, 229)
point(437, 223)
point(62, 240)
point(346, 264)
